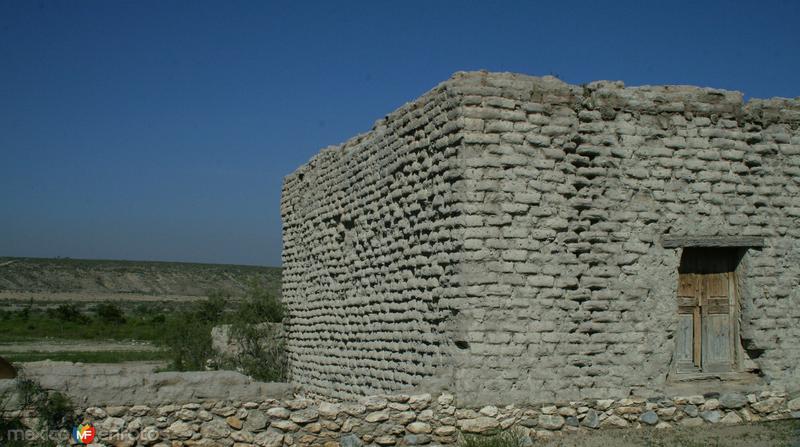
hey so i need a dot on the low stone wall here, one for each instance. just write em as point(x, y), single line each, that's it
point(410, 419)
point(133, 405)
point(124, 384)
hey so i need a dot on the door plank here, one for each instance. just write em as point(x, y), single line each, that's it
point(684, 340)
point(716, 347)
point(716, 323)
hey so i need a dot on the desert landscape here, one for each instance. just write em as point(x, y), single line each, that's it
point(398, 224)
point(107, 311)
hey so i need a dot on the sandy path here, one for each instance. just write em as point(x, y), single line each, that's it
point(47, 297)
point(74, 346)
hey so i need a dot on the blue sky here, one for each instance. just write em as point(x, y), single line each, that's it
point(161, 130)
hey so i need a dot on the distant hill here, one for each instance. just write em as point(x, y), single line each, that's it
point(101, 277)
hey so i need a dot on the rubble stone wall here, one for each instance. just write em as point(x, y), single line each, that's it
point(419, 419)
point(501, 237)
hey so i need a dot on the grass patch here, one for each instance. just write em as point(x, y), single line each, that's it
point(184, 331)
point(88, 356)
point(100, 321)
point(39, 325)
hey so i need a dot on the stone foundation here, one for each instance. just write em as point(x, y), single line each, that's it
point(420, 419)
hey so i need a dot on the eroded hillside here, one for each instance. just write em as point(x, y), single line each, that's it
point(73, 276)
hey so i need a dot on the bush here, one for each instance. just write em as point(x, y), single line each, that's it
point(188, 341)
point(54, 411)
point(187, 335)
point(109, 313)
point(512, 438)
point(8, 426)
point(66, 312)
point(25, 313)
point(259, 306)
point(262, 353)
point(261, 348)
point(211, 309)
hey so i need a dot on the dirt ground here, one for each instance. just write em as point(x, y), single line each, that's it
point(74, 346)
point(13, 297)
point(765, 434)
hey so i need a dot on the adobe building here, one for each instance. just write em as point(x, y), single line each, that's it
point(511, 238)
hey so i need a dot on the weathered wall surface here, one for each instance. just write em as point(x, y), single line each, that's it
point(549, 201)
point(368, 253)
point(568, 191)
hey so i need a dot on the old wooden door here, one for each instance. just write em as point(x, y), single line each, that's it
point(706, 311)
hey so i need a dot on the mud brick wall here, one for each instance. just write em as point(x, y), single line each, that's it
point(368, 253)
point(501, 237)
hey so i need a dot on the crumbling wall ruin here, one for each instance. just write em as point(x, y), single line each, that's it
point(502, 236)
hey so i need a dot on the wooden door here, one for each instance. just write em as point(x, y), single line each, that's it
point(706, 298)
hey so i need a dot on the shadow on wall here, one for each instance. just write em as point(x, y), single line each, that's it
point(7, 371)
point(727, 259)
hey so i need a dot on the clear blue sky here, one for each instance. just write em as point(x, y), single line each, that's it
point(161, 130)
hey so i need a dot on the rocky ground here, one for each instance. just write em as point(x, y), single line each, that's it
point(13, 299)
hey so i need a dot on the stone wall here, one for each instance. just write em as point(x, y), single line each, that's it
point(94, 384)
point(501, 238)
point(400, 420)
point(133, 405)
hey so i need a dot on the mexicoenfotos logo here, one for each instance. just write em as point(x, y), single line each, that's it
point(83, 433)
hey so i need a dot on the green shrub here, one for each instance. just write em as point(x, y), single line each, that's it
point(511, 438)
point(25, 313)
point(109, 313)
point(188, 340)
point(66, 312)
point(10, 425)
point(211, 309)
point(261, 349)
point(187, 335)
point(259, 306)
point(53, 409)
point(262, 353)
